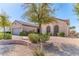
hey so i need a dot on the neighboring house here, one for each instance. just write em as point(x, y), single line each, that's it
point(72, 32)
point(54, 28)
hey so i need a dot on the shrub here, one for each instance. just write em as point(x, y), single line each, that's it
point(32, 32)
point(45, 37)
point(9, 32)
point(62, 34)
point(1, 35)
point(23, 33)
point(50, 34)
point(8, 36)
point(38, 52)
point(34, 38)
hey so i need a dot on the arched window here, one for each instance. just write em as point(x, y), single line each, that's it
point(56, 30)
point(48, 29)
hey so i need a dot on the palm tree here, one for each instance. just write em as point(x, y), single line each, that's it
point(40, 14)
point(4, 22)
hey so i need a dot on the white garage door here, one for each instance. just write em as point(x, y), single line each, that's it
point(16, 31)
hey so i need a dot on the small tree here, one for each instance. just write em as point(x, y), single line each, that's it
point(4, 22)
point(77, 9)
point(40, 14)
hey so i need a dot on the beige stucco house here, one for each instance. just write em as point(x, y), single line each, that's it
point(19, 26)
point(54, 28)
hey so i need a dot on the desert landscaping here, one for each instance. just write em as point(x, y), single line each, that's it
point(39, 30)
point(56, 46)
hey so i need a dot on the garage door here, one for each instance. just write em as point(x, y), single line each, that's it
point(16, 31)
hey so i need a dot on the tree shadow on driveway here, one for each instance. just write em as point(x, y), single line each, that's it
point(67, 49)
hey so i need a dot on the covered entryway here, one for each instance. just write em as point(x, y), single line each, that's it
point(56, 30)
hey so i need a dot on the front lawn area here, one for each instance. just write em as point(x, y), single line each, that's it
point(7, 36)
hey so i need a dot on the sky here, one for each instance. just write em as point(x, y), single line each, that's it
point(64, 11)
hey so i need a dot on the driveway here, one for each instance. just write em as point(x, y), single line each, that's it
point(16, 37)
point(56, 46)
point(15, 47)
point(15, 40)
point(62, 46)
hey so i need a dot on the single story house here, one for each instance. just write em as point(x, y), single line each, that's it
point(54, 28)
point(19, 26)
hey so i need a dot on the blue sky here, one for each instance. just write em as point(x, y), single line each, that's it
point(65, 11)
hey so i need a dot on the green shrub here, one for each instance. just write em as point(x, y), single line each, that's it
point(45, 37)
point(32, 32)
point(50, 34)
point(1, 36)
point(34, 38)
point(7, 36)
point(9, 32)
point(62, 34)
point(38, 52)
point(23, 33)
